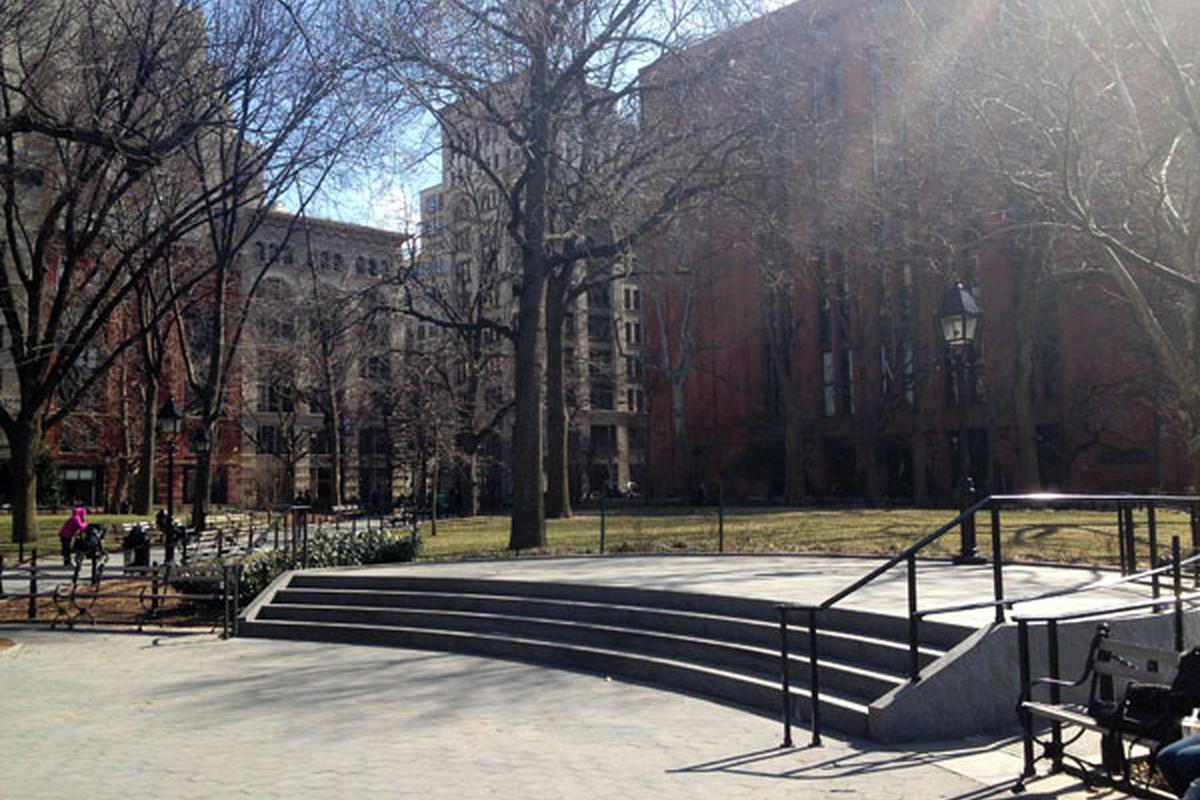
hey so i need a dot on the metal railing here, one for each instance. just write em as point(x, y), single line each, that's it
point(75, 595)
point(1122, 505)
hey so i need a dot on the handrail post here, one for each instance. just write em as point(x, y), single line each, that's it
point(1026, 691)
point(997, 563)
point(1195, 543)
point(1131, 545)
point(1152, 532)
point(1177, 587)
point(1121, 539)
point(815, 676)
point(914, 656)
point(1055, 693)
point(785, 676)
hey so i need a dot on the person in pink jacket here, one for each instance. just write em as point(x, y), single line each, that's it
point(73, 526)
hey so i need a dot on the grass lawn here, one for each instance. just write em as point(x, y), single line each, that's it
point(1083, 537)
point(1035, 535)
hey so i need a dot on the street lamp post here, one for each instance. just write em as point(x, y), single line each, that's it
point(201, 445)
point(169, 422)
point(959, 317)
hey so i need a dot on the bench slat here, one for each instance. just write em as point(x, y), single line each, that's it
point(1069, 713)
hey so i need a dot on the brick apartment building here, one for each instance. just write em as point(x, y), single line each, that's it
point(810, 297)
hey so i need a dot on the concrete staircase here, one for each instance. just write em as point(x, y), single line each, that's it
point(719, 647)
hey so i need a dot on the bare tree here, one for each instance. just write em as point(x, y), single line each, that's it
point(98, 102)
point(288, 123)
point(534, 73)
point(1097, 127)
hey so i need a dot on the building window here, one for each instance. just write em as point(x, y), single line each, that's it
point(603, 441)
point(847, 382)
point(376, 368)
point(276, 397)
point(601, 395)
point(373, 442)
point(829, 385)
point(269, 440)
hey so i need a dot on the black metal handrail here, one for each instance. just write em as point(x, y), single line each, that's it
point(1105, 583)
point(1124, 505)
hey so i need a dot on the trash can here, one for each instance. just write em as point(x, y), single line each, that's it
point(136, 546)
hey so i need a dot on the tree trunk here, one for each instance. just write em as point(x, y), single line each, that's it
point(920, 467)
point(433, 505)
point(683, 450)
point(1025, 334)
point(528, 513)
point(558, 484)
point(24, 438)
point(795, 488)
point(119, 486)
point(143, 492)
point(471, 486)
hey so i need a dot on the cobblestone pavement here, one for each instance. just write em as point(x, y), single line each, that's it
point(111, 715)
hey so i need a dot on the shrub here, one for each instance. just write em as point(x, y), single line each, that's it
point(328, 550)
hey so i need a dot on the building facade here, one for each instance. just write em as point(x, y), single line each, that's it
point(810, 300)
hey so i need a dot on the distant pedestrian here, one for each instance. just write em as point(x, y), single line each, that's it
point(72, 527)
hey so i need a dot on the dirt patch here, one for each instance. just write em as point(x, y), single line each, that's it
point(118, 602)
point(6, 643)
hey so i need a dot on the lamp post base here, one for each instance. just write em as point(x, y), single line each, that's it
point(968, 558)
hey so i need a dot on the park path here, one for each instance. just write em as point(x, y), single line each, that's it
point(124, 717)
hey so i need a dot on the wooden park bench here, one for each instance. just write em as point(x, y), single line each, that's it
point(1111, 666)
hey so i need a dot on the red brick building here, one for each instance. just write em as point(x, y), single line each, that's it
point(808, 295)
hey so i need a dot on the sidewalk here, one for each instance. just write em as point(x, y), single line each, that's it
point(104, 715)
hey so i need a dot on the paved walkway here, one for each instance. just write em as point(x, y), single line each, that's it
point(127, 717)
point(803, 579)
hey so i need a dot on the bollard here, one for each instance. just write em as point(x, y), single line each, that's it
point(33, 583)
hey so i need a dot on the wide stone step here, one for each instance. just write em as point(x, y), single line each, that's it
point(934, 634)
point(761, 695)
point(869, 652)
point(856, 681)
